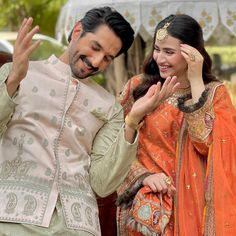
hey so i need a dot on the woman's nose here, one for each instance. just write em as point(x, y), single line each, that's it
point(160, 58)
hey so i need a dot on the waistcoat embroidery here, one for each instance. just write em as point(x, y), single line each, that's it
point(51, 132)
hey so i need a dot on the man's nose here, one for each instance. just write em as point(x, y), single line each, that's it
point(97, 60)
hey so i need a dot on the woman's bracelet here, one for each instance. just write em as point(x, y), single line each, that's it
point(131, 123)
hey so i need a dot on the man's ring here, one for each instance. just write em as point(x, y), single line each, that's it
point(168, 180)
point(192, 57)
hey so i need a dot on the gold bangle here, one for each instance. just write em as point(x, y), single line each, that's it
point(131, 123)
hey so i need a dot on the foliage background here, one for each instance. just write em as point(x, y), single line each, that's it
point(44, 12)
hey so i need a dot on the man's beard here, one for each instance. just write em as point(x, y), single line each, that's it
point(79, 72)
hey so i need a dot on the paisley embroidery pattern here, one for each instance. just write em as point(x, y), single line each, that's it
point(11, 204)
point(30, 206)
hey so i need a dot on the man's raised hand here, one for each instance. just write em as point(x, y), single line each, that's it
point(23, 48)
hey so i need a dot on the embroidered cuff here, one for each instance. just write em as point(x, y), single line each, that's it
point(126, 199)
point(189, 109)
point(199, 116)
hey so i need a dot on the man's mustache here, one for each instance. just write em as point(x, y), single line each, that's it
point(89, 64)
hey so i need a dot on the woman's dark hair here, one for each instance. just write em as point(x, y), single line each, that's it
point(188, 31)
point(114, 20)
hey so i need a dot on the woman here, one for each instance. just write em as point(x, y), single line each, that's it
point(184, 181)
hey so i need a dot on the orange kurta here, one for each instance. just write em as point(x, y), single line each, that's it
point(189, 149)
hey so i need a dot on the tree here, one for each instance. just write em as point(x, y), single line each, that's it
point(44, 12)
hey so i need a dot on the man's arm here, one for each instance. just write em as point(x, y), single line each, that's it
point(12, 74)
point(7, 103)
point(111, 155)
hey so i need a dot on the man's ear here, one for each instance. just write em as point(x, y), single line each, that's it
point(77, 31)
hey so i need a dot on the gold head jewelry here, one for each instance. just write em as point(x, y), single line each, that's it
point(162, 33)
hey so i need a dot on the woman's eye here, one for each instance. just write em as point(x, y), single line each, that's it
point(169, 52)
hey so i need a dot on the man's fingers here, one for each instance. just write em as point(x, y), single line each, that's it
point(25, 29)
point(30, 35)
point(22, 24)
point(33, 47)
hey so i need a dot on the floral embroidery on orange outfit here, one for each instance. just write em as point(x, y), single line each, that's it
point(197, 150)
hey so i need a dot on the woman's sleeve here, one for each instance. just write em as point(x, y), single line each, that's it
point(200, 116)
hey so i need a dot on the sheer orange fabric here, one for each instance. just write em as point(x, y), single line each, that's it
point(207, 198)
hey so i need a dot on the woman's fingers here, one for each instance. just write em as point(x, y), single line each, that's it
point(169, 87)
point(152, 90)
point(160, 183)
point(190, 54)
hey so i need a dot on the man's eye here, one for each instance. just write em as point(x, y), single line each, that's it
point(107, 59)
point(95, 48)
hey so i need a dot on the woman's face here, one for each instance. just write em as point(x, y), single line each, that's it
point(169, 59)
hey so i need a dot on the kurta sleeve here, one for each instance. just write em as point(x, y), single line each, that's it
point(7, 103)
point(111, 155)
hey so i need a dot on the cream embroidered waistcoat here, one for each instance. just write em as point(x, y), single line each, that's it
point(44, 154)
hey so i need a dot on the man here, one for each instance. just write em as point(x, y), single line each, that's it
point(63, 136)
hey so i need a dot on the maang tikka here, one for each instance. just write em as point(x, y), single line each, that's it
point(162, 33)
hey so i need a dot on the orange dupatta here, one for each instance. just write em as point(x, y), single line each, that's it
point(206, 204)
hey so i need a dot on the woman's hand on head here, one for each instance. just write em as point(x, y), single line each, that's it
point(195, 65)
point(155, 95)
point(160, 183)
point(194, 60)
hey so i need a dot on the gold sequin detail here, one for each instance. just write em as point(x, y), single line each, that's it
point(194, 174)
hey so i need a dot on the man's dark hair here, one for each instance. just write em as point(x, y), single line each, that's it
point(114, 20)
